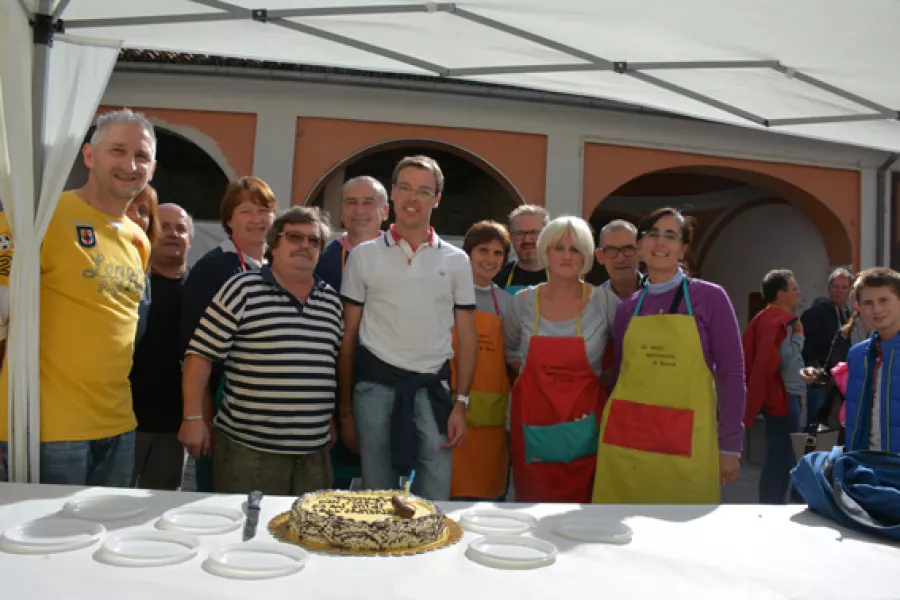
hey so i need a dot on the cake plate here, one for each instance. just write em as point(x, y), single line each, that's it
point(280, 530)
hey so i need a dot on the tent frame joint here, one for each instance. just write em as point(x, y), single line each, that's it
point(620, 67)
point(260, 15)
point(44, 28)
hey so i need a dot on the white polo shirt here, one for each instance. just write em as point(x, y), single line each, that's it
point(408, 298)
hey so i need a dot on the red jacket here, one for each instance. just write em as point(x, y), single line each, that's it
point(762, 363)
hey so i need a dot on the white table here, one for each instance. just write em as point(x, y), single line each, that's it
point(723, 553)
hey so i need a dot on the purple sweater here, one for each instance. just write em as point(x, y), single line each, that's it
point(721, 340)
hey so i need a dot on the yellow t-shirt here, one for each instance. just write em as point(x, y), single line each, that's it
point(92, 278)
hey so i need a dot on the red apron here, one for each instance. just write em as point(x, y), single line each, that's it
point(553, 426)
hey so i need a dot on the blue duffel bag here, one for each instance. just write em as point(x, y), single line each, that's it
point(858, 489)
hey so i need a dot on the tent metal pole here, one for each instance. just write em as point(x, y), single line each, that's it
point(60, 9)
point(531, 37)
point(677, 89)
point(834, 90)
point(514, 69)
point(42, 29)
point(360, 45)
point(703, 64)
point(833, 119)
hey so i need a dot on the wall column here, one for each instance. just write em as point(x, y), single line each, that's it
point(273, 159)
point(565, 163)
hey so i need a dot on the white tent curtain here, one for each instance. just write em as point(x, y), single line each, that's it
point(78, 72)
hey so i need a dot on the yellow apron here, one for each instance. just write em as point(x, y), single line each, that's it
point(481, 462)
point(658, 436)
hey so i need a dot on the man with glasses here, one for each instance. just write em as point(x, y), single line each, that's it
point(403, 294)
point(617, 251)
point(525, 225)
point(278, 331)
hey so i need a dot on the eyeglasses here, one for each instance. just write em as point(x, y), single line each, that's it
point(520, 234)
point(422, 194)
point(667, 235)
point(298, 239)
point(614, 251)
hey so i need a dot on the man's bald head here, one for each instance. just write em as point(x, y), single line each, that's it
point(176, 228)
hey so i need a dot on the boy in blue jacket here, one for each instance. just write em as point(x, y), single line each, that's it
point(873, 385)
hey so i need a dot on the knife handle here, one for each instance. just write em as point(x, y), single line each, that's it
point(254, 499)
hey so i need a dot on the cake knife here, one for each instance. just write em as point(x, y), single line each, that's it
point(253, 501)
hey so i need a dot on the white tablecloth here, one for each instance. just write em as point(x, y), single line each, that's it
point(721, 553)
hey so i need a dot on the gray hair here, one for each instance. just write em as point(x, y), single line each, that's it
point(529, 209)
point(297, 215)
point(840, 272)
point(371, 182)
point(618, 225)
point(126, 115)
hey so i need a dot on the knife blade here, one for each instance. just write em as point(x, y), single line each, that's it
point(253, 501)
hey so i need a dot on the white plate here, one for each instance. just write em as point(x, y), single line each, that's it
point(512, 552)
point(104, 509)
point(587, 529)
point(256, 560)
point(148, 548)
point(51, 534)
point(202, 520)
point(496, 520)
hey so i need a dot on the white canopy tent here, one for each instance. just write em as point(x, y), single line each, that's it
point(823, 69)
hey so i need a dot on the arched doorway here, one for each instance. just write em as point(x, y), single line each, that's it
point(743, 226)
point(473, 189)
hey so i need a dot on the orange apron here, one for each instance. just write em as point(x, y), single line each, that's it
point(481, 462)
point(553, 431)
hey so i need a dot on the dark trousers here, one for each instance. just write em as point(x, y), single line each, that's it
point(776, 472)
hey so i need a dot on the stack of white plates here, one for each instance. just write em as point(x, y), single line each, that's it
point(50, 535)
point(512, 552)
point(104, 509)
point(497, 521)
point(200, 520)
point(147, 548)
point(256, 560)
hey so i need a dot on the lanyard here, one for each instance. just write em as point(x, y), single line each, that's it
point(240, 256)
point(513, 272)
point(537, 309)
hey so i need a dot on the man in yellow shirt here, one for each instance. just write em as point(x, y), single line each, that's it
point(93, 264)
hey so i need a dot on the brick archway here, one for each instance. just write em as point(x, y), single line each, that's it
point(830, 198)
point(323, 144)
point(393, 144)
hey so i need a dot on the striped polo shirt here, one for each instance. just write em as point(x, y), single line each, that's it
point(280, 358)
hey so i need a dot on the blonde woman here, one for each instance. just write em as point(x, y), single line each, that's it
point(555, 335)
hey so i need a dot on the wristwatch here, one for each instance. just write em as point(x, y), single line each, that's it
point(462, 399)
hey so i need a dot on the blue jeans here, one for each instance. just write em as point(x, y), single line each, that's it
point(373, 405)
point(776, 472)
point(107, 462)
point(815, 398)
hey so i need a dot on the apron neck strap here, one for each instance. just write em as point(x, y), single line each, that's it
point(681, 294)
point(494, 298)
point(512, 272)
point(537, 309)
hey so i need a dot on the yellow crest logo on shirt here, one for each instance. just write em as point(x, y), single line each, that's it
point(86, 236)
